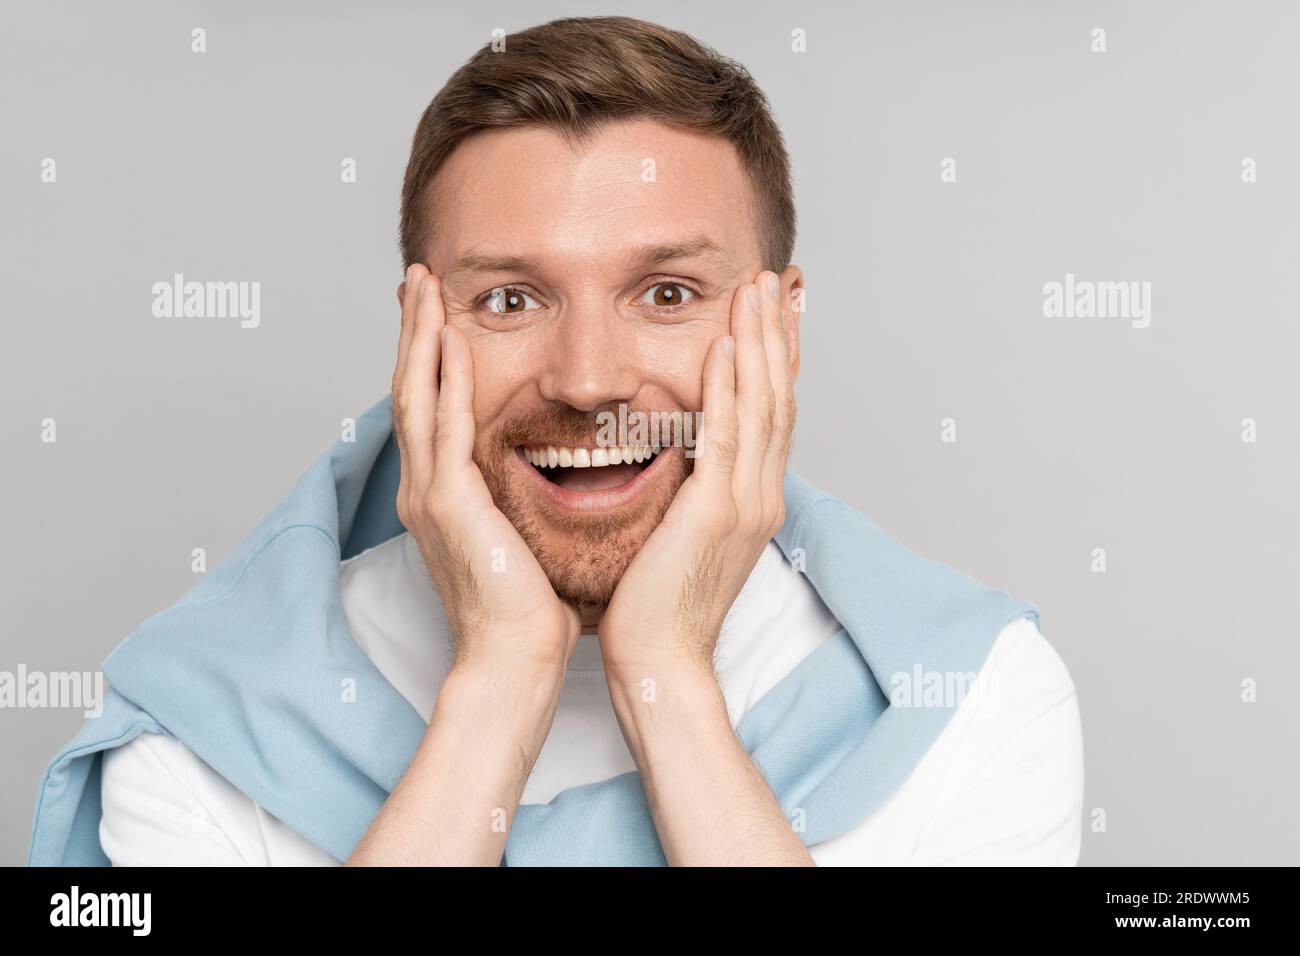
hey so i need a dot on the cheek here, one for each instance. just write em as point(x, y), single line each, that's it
point(501, 371)
point(672, 360)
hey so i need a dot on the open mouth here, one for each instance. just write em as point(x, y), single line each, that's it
point(589, 469)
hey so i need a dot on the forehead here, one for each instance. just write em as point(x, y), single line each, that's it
point(531, 192)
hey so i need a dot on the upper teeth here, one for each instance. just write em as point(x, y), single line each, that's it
point(549, 456)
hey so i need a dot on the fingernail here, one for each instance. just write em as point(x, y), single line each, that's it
point(773, 285)
point(752, 298)
point(729, 347)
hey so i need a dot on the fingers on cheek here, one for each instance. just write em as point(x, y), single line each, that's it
point(722, 447)
point(756, 323)
point(411, 297)
point(778, 323)
point(747, 318)
point(426, 316)
point(756, 423)
point(720, 372)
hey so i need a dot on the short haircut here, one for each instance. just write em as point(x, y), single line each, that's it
point(578, 73)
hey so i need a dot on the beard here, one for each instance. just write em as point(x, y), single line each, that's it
point(583, 555)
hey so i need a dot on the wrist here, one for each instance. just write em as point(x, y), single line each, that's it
point(468, 774)
point(496, 702)
point(631, 657)
point(688, 680)
point(664, 704)
point(515, 655)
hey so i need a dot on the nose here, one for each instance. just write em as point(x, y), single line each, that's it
point(591, 359)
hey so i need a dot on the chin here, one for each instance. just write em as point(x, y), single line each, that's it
point(584, 511)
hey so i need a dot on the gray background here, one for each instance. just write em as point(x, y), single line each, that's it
point(925, 302)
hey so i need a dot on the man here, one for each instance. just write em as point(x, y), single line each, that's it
point(580, 647)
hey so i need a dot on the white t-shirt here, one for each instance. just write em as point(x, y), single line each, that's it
point(1002, 784)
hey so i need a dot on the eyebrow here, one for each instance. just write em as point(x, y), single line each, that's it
point(700, 246)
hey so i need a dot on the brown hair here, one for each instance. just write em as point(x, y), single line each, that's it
point(578, 73)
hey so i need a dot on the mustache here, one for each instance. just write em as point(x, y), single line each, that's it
point(557, 423)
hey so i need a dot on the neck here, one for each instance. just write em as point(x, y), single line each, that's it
point(590, 614)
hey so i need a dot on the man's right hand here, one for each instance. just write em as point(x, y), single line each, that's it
point(501, 608)
point(513, 636)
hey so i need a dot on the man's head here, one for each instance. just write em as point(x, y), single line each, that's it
point(591, 197)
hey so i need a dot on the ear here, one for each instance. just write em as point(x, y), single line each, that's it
point(401, 293)
point(792, 306)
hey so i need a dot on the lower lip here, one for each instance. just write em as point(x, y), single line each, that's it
point(595, 502)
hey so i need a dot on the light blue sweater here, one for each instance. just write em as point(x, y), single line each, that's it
point(248, 671)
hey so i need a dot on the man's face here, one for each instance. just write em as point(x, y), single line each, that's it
point(585, 279)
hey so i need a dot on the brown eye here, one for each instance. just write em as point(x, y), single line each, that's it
point(668, 294)
point(506, 301)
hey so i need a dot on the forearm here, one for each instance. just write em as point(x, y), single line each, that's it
point(710, 803)
point(457, 799)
